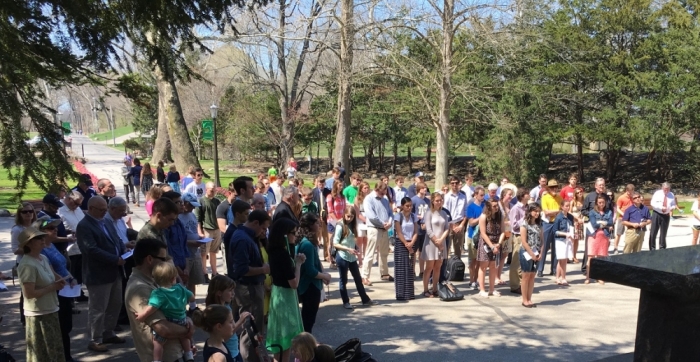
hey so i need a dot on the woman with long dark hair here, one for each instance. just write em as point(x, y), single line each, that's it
point(406, 226)
point(346, 257)
point(312, 276)
point(531, 237)
point(284, 320)
point(491, 224)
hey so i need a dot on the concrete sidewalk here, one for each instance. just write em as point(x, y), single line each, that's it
point(575, 323)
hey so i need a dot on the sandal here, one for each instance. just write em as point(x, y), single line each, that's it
point(601, 282)
point(435, 293)
point(427, 294)
point(564, 283)
point(587, 281)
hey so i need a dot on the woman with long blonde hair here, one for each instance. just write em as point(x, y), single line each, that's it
point(434, 251)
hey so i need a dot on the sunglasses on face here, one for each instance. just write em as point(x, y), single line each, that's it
point(26, 212)
point(199, 175)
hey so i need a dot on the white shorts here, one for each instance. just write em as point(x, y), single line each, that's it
point(564, 248)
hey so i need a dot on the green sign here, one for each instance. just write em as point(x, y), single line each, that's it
point(66, 128)
point(207, 130)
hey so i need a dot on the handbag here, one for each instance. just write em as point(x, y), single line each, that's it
point(448, 292)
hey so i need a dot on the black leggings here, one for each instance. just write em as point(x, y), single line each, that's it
point(65, 318)
point(310, 301)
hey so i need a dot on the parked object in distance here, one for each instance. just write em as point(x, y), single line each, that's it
point(36, 140)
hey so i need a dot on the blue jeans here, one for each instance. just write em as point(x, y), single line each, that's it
point(548, 243)
point(343, 267)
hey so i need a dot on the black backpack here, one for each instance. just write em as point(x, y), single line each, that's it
point(455, 269)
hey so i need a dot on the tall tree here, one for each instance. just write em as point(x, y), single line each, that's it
point(165, 33)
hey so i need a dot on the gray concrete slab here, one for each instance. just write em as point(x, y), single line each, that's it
point(576, 323)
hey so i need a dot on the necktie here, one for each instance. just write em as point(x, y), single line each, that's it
point(665, 203)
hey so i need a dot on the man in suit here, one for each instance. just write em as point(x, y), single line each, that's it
point(290, 198)
point(103, 271)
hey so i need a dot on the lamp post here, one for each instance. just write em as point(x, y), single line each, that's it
point(214, 109)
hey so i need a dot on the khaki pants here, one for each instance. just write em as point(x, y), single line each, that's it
point(515, 274)
point(377, 239)
point(103, 309)
point(633, 241)
point(457, 242)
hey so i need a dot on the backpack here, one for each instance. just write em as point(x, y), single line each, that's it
point(455, 269)
point(5, 356)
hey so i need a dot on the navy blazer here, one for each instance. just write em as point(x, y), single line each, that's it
point(100, 253)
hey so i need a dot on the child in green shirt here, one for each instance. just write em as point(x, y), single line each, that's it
point(308, 205)
point(171, 298)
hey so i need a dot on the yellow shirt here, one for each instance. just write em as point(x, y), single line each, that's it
point(550, 203)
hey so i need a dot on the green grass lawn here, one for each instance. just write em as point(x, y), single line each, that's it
point(118, 132)
point(8, 190)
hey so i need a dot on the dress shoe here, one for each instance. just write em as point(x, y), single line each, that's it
point(114, 340)
point(82, 298)
point(97, 347)
point(517, 291)
point(539, 274)
point(387, 278)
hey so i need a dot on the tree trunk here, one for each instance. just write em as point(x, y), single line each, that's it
point(286, 149)
point(647, 167)
point(380, 167)
point(370, 156)
point(611, 164)
point(318, 157)
point(160, 148)
point(428, 154)
point(330, 158)
point(347, 35)
point(579, 156)
point(443, 122)
point(169, 108)
point(395, 152)
point(410, 160)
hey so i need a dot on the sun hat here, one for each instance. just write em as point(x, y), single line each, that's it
point(28, 234)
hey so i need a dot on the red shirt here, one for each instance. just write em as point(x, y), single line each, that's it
point(567, 193)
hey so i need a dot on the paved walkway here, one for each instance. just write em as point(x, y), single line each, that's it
point(576, 323)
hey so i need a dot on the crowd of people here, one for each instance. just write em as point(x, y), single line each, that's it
point(270, 231)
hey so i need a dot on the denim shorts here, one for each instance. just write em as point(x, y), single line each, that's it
point(330, 228)
point(525, 265)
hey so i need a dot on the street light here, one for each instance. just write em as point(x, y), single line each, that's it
point(214, 109)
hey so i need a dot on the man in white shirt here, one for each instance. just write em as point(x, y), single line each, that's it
point(276, 188)
point(70, 212)
point(468, 189)
point(455, 203)
point(535, 192)
point(197, 187)
point(663, 202)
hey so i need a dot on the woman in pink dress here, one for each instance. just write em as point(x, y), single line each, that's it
point(602, 223)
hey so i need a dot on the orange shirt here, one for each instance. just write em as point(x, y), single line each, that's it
point(623, 202)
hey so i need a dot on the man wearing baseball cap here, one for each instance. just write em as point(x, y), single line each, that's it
point(85, 189)
point(51, 206)
point(418, 178)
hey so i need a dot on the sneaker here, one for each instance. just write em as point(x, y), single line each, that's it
point(615, 252)
point(370, 303)
point(474, 286)
point(348, 306)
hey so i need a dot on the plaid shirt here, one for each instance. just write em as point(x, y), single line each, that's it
point(337, 206)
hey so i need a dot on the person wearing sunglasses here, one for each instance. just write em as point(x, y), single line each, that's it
point(197, 186)
point(103, 270)
point(149, 253)
point(39, 285)
point(60, 265)
point(636, 218)
point(24, 217)
point(51, 205)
